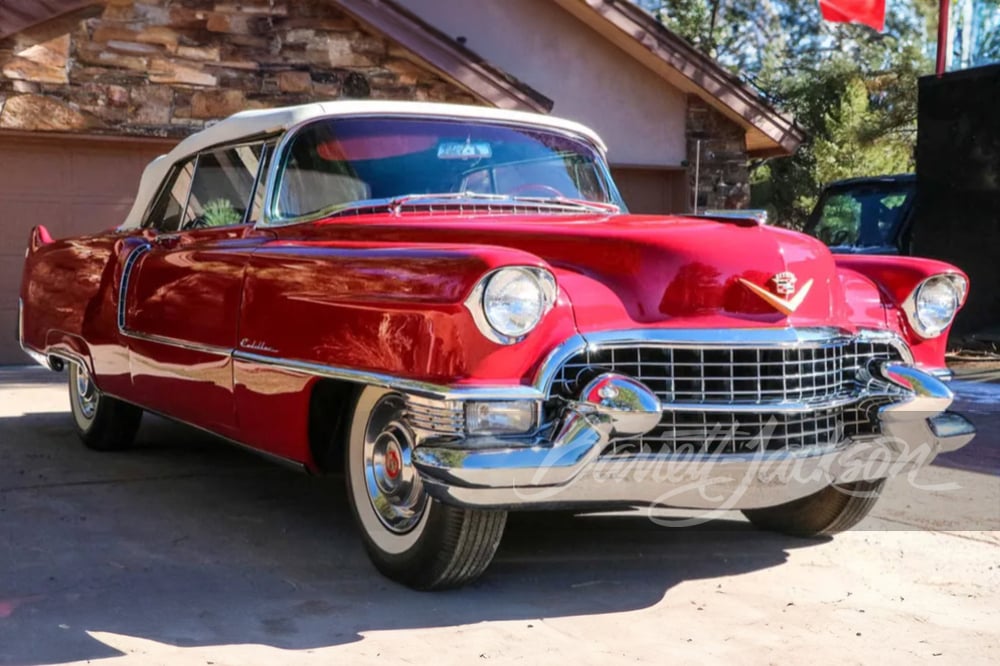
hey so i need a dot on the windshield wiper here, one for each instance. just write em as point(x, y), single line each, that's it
point(595, 206)
point(395, 205)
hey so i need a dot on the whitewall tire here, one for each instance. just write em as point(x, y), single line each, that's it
point(102, 422)
point(410, 537)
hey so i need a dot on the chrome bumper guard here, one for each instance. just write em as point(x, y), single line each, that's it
point(568, 470)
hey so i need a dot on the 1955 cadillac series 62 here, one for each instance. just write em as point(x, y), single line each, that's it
point(452, 306)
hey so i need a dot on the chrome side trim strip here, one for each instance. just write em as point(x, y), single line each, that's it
point(418, 388)
point(126, 275)
point(125, 331)
point(180, 344)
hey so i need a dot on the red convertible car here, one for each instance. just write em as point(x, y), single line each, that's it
point(452, 306)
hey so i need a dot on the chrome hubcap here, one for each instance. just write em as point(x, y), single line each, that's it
point(86, 393)
point(391, 480)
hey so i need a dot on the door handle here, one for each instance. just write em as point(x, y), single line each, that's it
point(167, 240)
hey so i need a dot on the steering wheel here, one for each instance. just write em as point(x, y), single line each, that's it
point(525, 188)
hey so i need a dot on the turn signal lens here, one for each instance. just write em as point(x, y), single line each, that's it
point(500, 418)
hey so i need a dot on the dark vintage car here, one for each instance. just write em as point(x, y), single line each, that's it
point(451, 306)
point(866, 215)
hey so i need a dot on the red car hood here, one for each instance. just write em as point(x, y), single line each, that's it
point(633, 271)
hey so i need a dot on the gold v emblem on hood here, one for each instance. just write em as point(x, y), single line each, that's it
point(785, 306)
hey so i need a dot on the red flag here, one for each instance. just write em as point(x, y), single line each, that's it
point(869, 12)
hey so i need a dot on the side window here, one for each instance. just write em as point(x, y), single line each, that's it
point(222, 186)
point(165, 215)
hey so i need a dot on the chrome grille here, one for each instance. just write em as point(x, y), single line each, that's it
point(727, 433)
point(694, 433)
point(435, 417)
point(733, 376)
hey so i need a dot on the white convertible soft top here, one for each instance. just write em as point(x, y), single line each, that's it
point(267, 121)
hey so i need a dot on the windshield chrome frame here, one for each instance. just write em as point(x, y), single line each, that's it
point(267, 220)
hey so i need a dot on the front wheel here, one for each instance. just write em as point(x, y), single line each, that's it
point(102, 422)
point(833, 509)
point(410, 537)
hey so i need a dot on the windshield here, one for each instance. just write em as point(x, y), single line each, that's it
point(340, 163)
point(862, 216)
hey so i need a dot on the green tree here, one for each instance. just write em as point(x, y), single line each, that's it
point(852, 89)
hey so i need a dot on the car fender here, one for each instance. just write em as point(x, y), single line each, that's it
point(896, 278)
point(393, 308)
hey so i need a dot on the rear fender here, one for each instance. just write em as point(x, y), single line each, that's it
point(69, 305)
point(39, 236)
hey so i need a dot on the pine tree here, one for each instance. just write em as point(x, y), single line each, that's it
point(852, 89)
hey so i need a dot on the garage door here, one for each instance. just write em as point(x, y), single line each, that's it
point(653, 191)
point(73, 186)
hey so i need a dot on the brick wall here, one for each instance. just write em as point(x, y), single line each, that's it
point(724, 176)
point(166, 67)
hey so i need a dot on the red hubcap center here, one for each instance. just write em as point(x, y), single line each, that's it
point(392, 464)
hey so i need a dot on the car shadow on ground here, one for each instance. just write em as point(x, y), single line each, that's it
point(189, 542)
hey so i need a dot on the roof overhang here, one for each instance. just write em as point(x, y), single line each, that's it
point(443, 54)
point(769, 133)
point(18, 15)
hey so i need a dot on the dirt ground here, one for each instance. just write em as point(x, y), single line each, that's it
point(186, 551)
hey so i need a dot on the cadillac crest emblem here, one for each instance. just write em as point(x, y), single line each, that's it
point(784, 300)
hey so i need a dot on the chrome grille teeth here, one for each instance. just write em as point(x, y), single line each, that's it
point(701, 383)
point(733, 376)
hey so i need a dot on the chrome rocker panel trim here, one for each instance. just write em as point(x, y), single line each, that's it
point(569, 472)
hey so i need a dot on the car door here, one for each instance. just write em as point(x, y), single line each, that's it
point(182, 288)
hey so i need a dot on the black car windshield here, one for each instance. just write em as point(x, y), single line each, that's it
point(349, 164)
point(861, 216)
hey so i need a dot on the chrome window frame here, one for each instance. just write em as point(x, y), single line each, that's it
point(165, 186)
point(269, 220)
point(245, 220)
point(268, 143)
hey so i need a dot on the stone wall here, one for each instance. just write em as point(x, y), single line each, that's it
point(166, 67)
point(724, 181)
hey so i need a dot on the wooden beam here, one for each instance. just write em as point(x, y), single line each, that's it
point(447, 56)
point(19, 15)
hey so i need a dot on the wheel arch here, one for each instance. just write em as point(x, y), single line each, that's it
point(331, 405)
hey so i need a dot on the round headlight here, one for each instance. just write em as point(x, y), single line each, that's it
point(935, 303)
point(516, 299)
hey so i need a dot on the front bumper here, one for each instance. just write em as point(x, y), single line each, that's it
point(569, 470)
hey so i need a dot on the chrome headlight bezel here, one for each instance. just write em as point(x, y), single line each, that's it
point(488, 322)
point(921, 320)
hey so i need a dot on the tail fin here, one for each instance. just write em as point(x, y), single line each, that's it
point(39, 236)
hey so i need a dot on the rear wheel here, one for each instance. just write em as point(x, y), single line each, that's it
point(102, 422)
point(410, 537)
point(833, 509)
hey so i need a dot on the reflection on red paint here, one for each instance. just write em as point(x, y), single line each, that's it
point(386, 294)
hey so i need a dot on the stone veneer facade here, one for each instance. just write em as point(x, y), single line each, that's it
point(164, 68)
point(724, 182)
